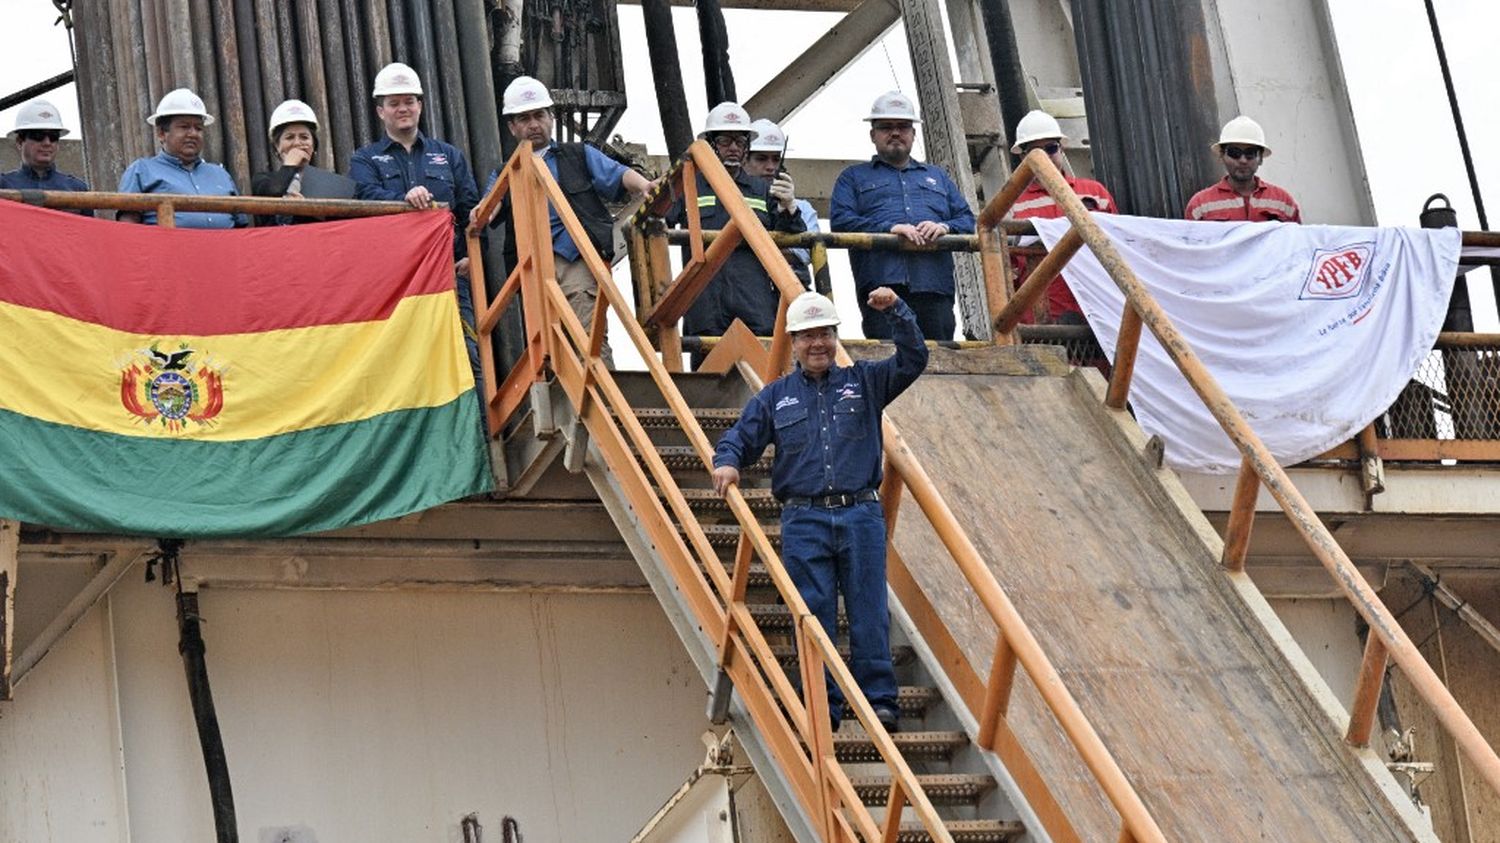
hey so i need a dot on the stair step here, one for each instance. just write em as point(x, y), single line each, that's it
point(728, 536)
point(710, 418)
point(901, 654)
point(965, 831)
point(853, 746)
point(685, 458)
point(941, 789)
point(761, 501)
point(776, 617)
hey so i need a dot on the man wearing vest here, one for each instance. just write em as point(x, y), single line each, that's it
point(587, 176)
point(1241, 195)
point(742, 289)
point(1039, 130)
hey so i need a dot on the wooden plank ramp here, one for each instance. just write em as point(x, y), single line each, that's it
point(1125, 594)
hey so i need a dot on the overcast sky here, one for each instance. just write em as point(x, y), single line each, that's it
point(1401, 110)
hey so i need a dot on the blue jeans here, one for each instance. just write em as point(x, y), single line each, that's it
point(842, 550)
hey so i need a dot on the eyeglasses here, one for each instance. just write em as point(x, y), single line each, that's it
point(41, 135)
point(730, 140)
point(1050, 147)
point(1246, 152)
point(891, 128)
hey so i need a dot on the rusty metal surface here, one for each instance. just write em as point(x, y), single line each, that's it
point(216, 204)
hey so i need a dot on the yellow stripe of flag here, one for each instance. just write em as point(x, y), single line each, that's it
point(61, 370)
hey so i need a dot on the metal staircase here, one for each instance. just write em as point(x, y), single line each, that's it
point(960, 769)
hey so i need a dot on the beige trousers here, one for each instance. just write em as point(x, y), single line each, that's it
point(582, 291)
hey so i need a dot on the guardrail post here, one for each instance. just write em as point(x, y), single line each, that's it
point(1125, 348)
point(1367, 691)
point(819, 727)
point(166, 214)
point(1241, 517)
point(997, 692)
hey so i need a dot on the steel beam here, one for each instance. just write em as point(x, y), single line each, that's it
point(942, 133)
point(774, 5)
point(822, 62)
point(119, 562)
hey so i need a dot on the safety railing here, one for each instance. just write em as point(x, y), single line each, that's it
point(166, 205)
point(1016, 648)
point(796, 726)
point(1387, 641)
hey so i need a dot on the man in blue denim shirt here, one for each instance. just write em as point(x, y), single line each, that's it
point(37, 132)
point(894, 193)
point(407, 166)
point(824, 420)
point(181, 121)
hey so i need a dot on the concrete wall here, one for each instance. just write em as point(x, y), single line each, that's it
point(356, 716)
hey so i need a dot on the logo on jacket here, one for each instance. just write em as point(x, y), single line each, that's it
point(170, 388)
point(788, 401)
point(1338, 273)
point(437, 158)
point(932, 181)
point(384, 159)
point(848, 391)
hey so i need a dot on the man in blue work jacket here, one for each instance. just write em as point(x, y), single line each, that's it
point(407, 166)
point(824, 420)
point(742, 289)
point(37, 133)
point(896, 194)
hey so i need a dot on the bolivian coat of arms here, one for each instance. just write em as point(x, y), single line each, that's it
point(172, 389)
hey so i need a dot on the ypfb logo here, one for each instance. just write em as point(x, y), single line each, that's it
point(1338, 273)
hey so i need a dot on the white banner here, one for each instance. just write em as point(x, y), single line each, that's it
point(1312, 330)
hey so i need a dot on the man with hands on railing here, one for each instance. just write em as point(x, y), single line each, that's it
point(895, 193)
point(824, 420)
point(742, 289)
point(408, 166)
point(586, 175)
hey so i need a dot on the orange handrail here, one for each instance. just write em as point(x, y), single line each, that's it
point(1258, 468)
point(1015, 639)
point(796, 727)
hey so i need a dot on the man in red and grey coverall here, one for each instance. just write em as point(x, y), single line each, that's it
point(1241, 195)
point(1039, 130)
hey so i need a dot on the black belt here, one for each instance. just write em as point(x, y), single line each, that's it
point(835, 501)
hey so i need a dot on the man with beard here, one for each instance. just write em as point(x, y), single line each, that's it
point(895, 193)
point(587, 176)
point(1241, 195)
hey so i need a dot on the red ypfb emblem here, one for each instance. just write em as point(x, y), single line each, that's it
point(1338, 273)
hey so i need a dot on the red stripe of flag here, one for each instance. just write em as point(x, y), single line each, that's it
point(149, 280)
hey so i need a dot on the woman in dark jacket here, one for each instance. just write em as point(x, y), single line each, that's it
point(294, 141)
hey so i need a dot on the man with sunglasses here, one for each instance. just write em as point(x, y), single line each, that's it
point(742, 289)
point(1039, 130)
point(1241, 195)
point(38, 133)
point(893, 192)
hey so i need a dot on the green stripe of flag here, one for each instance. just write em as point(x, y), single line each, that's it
point(305, 481)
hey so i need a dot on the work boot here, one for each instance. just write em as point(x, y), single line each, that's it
point(889, 718)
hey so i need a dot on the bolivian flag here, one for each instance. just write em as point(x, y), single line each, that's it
point(259, 382)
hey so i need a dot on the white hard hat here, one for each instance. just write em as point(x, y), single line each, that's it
point(1243, 130)
point(768, 137)
point(1036, 125)
point(38, 114)
point(525, 94)
point(810, 310)
point(893, 105)
point(397, 78)
point(180, 102)
point(727, 117)
point(292, 111)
